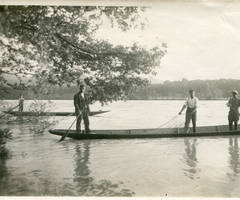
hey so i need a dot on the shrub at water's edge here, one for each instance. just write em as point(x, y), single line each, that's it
point(5, 135)
point(37, 123)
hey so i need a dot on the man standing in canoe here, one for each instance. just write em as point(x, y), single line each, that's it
point(20, 103)
point(233, 115)
point(191, 113)
point(81, 109)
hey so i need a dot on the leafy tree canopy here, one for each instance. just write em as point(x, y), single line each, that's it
point(57, 45)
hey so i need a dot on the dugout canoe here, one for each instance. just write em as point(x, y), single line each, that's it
point(16, 113)
point(148, 133)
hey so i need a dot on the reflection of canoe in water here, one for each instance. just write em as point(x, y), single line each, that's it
point(16, 113)
point(148, 133)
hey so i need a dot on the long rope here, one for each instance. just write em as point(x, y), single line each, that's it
point(175, 118)
point(167, 122)
point(175, 126)
point(189, 114)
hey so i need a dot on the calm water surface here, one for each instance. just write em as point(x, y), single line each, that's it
point(172, 167)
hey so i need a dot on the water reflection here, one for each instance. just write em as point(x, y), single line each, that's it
point(234, 158)
point(190, 158)
point(85, 184)
point(81, 176)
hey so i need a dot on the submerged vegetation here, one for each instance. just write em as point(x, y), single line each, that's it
point(36, 122)
point(40, 123)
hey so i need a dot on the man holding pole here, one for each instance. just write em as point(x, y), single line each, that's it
point(191, 113)
point(81, 109)
point(233, 116)
point(21, 102)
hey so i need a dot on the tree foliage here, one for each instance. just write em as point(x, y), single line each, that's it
point(57, 45)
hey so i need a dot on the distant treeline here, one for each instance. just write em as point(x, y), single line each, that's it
point(205, 89)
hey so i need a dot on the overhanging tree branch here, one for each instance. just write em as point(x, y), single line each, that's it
point(83, 51)
point(93, 55)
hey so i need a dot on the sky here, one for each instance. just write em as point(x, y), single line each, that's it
point(203, 37)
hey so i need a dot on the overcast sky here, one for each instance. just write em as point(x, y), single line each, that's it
point(203, 38)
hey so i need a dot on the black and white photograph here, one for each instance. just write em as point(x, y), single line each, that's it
point(136, 99)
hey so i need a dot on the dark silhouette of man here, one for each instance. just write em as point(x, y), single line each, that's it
point(82, 110)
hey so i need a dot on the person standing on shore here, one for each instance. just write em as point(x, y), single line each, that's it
point(81, 109)
point(191, 113)
point(20, 103)
point(233, 115)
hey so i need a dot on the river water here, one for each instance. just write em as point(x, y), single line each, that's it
point(164, 167)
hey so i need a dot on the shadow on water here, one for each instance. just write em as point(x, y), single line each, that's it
point(85, 184)
point(12, 186)
point(234, 158)
point(3, 174)
point(190, 158)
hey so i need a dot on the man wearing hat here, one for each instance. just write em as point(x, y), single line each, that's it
point(233, 115)
point(81, 109)
point(191, 113)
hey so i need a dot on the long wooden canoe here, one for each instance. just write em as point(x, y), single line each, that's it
point(147, 133)
point(16, 113)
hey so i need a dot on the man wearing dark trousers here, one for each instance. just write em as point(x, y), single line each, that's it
point(191, 113)
point(233, 116)
point(81, 109)
point(21, 102)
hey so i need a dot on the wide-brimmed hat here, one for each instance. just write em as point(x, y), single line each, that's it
point(234, 92)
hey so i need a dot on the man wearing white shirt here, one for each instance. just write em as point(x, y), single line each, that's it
point(191, 113)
